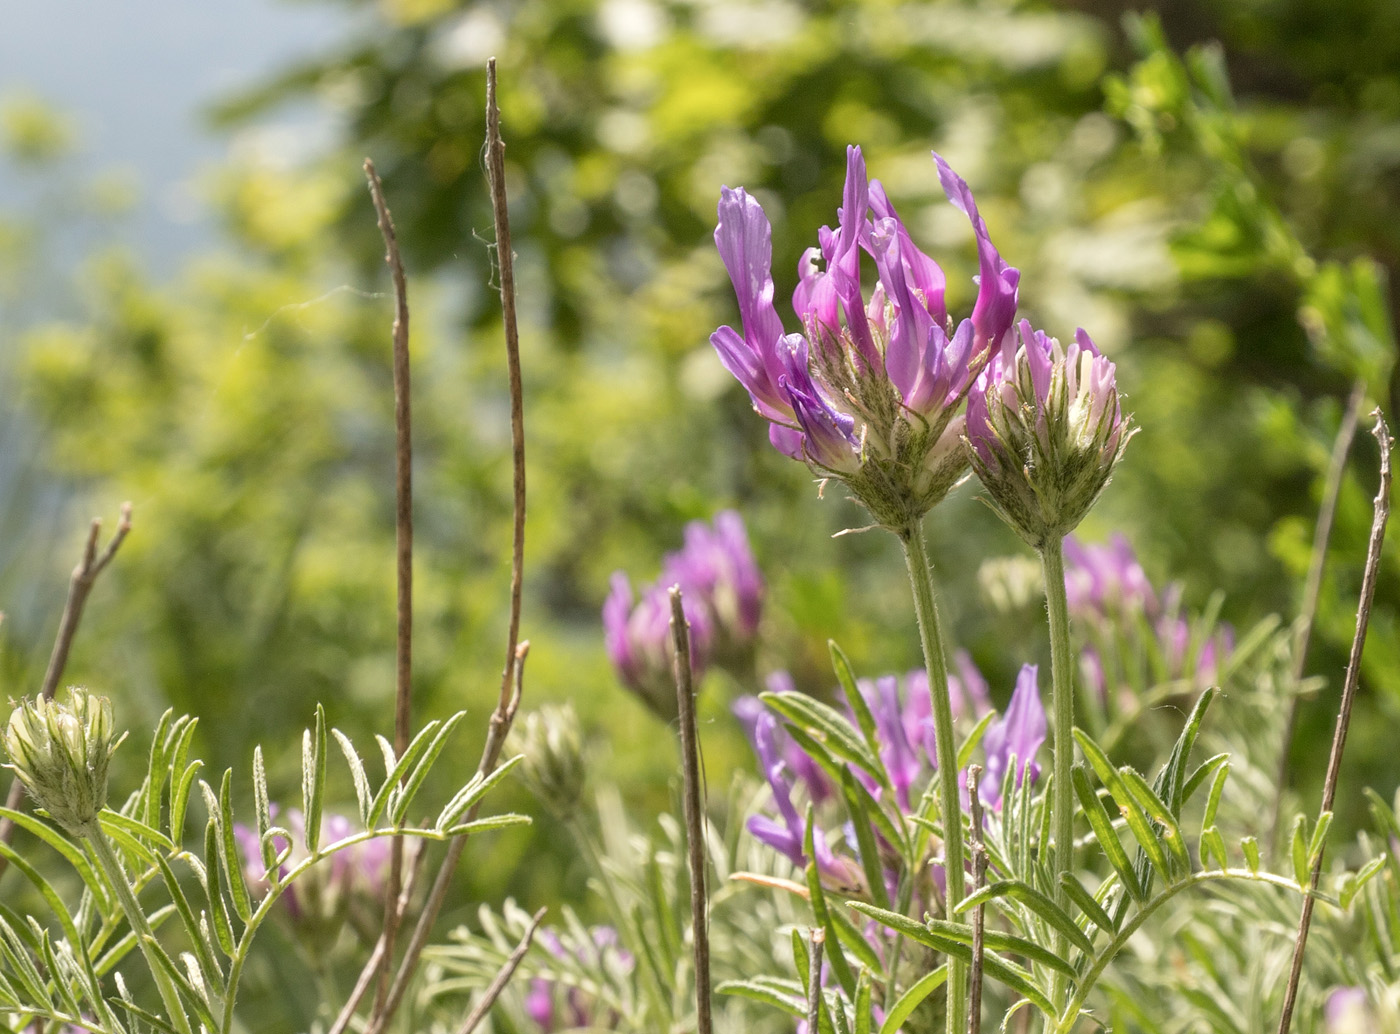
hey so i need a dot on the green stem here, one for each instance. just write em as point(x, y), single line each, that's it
point(145, 936)
point(950, 802)
point(1062, 693)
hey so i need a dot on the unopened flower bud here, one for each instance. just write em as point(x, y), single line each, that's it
point(1046, 431)
point(60, 752)
point(554, 766)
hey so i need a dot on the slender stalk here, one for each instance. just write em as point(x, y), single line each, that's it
point(1312, 588)
point(694, 810)
point(80, 583)
point(979, 872)
point(403, 493)
point(512, 677)
point(1052, 557)
point(1353, 677)
point(814, 980)
point(112, 866)
point(950, 803)
point(502, 978)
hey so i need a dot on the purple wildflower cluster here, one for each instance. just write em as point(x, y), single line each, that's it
point(869, 391)
point(722, 593)
point(902, 709)
point(1123, 616)
point(322, 897)
point(556, 1005)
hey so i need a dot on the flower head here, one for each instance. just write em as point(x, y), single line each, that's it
point(638, 639)
point(1046, 430)
point(870, 390)
point(553, 765)
point(722, 595)
point(61, 752)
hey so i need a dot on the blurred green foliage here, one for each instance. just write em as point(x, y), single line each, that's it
point(1231, 251)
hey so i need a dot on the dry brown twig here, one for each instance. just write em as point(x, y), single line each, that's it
point(502, 978)
point(1353, 677)
point(89, 566)
point(403, 495)
point(979, 873)
point(512, 678)
point(814, 979)
point(694, 809)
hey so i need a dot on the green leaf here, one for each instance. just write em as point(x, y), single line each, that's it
point(1359, 881)
point(208, 964)
point(486, 825)
point(182, 982)
point(1301, 870)
point(1250, 846)
point(263, 808)
point(1104, 832)
point(854, 698)
point(69, 851)
point(1319, 838)
point(1037, 902)
point(402, 799)
point(999, 940)
point(862, 1003)
point(357, 774)
point(401, 766)
point(231, 864)
point(827, 725)
point(865, 840)
point(911, 999)
point(1138, 822)
point(756, 992)
point(1213, 847)
point(974, 738)
point(477, 788)
point(180, 799)
point(218, 911)
point(1204, 771)
point(821, 914)
point(45, 889)
point(1217, 789)
point(1090, 907)
point(1157, 809)
point(313, 779)
point(148, 808)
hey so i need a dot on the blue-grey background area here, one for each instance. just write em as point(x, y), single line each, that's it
point(137, 77)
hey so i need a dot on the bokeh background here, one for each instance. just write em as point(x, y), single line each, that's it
point(193, 317)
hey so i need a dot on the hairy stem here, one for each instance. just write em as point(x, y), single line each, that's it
point(112, 866)
point(1052, 558)
point(950, 803)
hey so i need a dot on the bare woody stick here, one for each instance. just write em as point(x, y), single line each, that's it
point(90, 565)
point(694, 810)
point(502, 978)
point(403, 491)
point(979, 872)
point(1353, 677)
point(512, 680)
point(814, 980)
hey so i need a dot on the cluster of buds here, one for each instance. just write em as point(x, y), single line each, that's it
point(902, 709)
point(347, 886)
point(61, 753)
point(553, 766)
point(1046, 430)
point(558, 1006)
point(1125, 619)
point(869, 392)
point(722, 594)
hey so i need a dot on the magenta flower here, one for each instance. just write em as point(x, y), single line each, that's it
point(869, 391)
point(1347, 1012)
point(1014, 738)
point(638, 641)
point(717, 567)
point(556, 1005)
point(1106, 579)
point(1046, 430)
